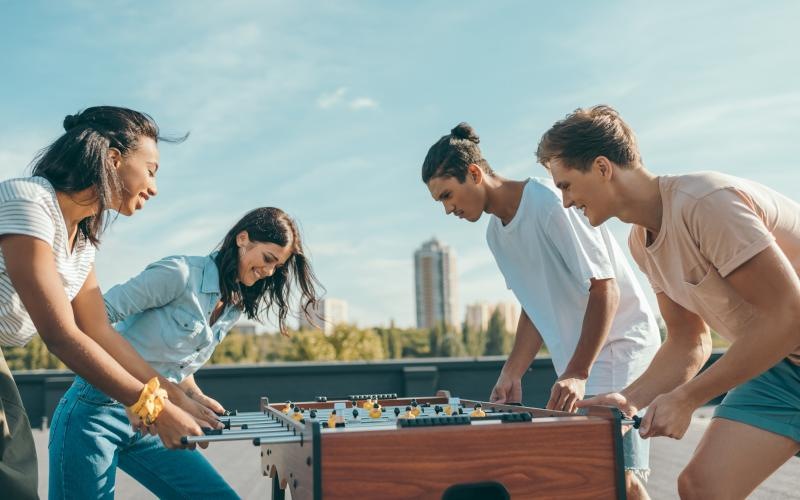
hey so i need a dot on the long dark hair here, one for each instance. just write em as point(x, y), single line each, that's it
point(267, 225)
point(79, 158)
point(452, 155)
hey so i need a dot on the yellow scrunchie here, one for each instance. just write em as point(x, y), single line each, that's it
point(151, 401)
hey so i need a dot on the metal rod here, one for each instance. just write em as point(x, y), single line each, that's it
point(237, 436)
point(263, 426)
point(292, 439)
point(247, 419)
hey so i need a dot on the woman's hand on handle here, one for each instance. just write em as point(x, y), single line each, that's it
point(173, 423)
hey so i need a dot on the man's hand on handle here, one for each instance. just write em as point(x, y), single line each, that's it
point(566, 392)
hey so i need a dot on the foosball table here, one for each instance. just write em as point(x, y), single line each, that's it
point(385, 447)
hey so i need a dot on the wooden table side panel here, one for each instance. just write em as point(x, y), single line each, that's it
point(548, 460)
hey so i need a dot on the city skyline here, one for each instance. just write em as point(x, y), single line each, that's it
point(328, 112)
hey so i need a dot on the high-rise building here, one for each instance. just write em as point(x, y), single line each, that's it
point(510, 314)
point(478, 315)
point(436, 285)
point(246, 327)
point(328, 313)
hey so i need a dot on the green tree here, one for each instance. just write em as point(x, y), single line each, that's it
point(497, 338)
point(451, 344)
point(32, 356)
point(351, 344)
point(392, 340)
point(308, 345)
point(474, 340)
point(416, 343)
point(435, 337)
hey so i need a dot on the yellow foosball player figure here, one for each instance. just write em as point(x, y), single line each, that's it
point(478, 411)
point(415, 408)
point(297, 415)
point(375, 411)
point(288, 407)
point(367, 405)
point(337, 415)
point(409, 413)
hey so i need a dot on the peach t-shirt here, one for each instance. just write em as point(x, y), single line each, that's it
point(711, 224)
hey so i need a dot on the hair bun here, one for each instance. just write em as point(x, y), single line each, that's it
point(464, 131)
point(70, 121)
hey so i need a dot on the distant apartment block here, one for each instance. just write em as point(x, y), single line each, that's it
point(329, 313)
point(436, 285)
point(478, 315)
point(247, 327)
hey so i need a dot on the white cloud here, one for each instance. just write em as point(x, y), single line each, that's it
point(363, 103)
point(331, 99)
point(337, 98)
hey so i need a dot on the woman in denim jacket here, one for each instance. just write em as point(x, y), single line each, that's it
point(174, 314)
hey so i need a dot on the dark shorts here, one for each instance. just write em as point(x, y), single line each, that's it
point(771, 401)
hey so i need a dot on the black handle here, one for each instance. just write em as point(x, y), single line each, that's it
point(635, 421)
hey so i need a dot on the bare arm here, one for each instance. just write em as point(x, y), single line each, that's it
point(600, 311)
point(685, 350)
point(91, 317)
point(31, 266)
point(770, 284)
point(527, 343)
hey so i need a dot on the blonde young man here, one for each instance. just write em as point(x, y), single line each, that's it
point(720, 252)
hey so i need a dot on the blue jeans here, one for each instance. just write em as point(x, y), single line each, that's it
point(636, 453)
point(90, 436)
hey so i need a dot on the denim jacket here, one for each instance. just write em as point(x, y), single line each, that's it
point(165, 311)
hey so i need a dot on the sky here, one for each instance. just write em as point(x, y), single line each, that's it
point(327, 109)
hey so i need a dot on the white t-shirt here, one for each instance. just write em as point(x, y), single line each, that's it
point(29, 206)
point(548, 255)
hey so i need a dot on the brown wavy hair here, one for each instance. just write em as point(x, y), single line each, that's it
point(587, 133)
point(273, 293)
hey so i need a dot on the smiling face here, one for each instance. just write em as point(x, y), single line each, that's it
point(588, 191)
point(137, 172)
point(259, 260)
point(465, 200)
